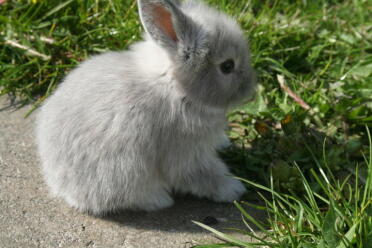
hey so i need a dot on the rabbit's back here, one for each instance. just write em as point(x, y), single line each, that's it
point(102, 92)
point(91, 127)
point(87, 102)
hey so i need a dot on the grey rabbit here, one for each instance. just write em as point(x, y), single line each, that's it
point(126, 129)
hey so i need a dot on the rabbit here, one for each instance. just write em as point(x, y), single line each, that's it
point(126, 130)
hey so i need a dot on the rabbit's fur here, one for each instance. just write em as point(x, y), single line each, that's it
point(125, 129)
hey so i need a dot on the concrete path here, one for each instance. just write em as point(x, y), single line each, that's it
point(30, 218)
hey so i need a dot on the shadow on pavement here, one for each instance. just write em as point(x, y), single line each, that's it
point(186, 209)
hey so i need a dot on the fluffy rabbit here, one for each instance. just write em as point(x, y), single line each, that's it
point(126, 129)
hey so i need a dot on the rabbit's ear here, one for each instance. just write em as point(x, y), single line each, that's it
point(163, 21)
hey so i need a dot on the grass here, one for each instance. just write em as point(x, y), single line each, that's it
point(338, 216)
point(75, 29)
point(303, 140)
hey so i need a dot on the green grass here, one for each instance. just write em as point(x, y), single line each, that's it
point(303, 152)
point(338, 216)
point(78, 29)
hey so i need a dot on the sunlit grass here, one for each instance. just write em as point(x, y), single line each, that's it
point(339, 216)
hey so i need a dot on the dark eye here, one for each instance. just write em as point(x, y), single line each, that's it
point(228, 66)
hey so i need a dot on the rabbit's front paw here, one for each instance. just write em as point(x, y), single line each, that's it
point(229, 190)
point(224, 142)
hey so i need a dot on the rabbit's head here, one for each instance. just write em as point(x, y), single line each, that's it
point(208, 52)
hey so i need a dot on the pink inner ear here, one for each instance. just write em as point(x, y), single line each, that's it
point(163, 20)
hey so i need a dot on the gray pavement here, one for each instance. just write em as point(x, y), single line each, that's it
point(29, 217)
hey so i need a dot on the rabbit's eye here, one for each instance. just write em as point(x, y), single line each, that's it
point(228, 66)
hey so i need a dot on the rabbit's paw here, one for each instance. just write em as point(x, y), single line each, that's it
point(224, 142)
point(229, 190)
point(156, 201)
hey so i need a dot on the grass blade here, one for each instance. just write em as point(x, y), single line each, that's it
point(56, 9)
point(224, 236)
